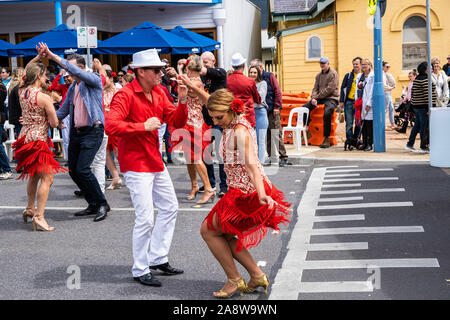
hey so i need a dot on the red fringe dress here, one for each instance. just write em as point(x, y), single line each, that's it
point(198, 139)
point(239, 210)
point(32, 149)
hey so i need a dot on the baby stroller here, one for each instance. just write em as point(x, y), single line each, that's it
point(406, 115)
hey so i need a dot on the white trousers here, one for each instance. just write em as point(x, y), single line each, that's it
point(98, 165)
point(161, 132)
point(66, 134)
point(151, 239)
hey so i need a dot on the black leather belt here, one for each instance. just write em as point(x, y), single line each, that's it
point(85, 129)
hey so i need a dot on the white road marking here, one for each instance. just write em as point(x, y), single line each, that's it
point(340, 199)
point(366, 205)
point(361, 179)
point(337, 246)
point(359, 170)
point(345, 217)
point(336, 286)
point(341, 185)
point(367, 263)
point(288, 282)
point(342, 175)
point(364, 230)
point(355, 191)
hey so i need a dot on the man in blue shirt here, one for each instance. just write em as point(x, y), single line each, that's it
point(84, 103)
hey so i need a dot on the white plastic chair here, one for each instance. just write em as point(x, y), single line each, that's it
point(300, 127)
point(57, 139)
point(11, 139)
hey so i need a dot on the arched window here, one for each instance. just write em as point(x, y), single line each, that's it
point(414, 42)
point(313, 48)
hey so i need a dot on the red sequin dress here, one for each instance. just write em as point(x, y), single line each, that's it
point(193, 138)
point(108, 94)
point(32, 149)
point(239, 210)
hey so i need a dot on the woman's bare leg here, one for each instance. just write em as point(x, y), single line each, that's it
point(193, 177)
point(219, 247)
point(203, 173)
point(31, 191)
point(245, 259)
point(111, 165)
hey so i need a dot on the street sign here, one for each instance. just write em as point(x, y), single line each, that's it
point(372, 6)
point(87, 37)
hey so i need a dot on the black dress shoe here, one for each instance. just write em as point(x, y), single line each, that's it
point(284, 162)
point(78, 193)
point(368, 148)
point(222, 192)
point(86, 212)
point(148, 280)
point(167, 269)
point(102, 212)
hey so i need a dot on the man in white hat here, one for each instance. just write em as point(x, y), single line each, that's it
point(243, 87)
point(136, 113)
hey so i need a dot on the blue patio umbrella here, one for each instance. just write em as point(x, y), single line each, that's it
point(5, 46)
point(60, 40)
point(146, 36)
point(204, 43)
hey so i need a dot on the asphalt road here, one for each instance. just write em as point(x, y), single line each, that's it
point(408, 259)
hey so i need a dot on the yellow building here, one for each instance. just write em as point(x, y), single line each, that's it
point(343, 30)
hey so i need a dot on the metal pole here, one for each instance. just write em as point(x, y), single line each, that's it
point(58, 12)
point(379, 118)
point(430, 94)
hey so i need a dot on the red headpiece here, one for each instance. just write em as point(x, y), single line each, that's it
point(238, 106)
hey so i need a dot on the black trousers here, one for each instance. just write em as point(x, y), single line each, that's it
point(330, 106)
point(83, 147)
point(367, 132)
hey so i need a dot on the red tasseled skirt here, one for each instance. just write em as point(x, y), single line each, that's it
point(35, 157)
point(242, 215)
point(192, 141)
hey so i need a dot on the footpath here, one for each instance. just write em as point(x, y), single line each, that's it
point(395, 149)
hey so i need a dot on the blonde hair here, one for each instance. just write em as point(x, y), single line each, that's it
point(16, 78)
point(368, 62)
point(32, 71)
point(435, 59)
point(220, 101)
point(195, 63)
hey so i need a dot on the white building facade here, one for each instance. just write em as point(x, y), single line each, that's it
point(236, 24)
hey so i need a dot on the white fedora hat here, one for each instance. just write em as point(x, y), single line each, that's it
point(237, 60)
point(146, 58)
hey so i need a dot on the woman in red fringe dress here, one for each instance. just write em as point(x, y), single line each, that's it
point(195, 142)
point(32, 149)
point(252, 205)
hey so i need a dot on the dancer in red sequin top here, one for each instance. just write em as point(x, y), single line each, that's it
point(32, 149)
point(251, 206)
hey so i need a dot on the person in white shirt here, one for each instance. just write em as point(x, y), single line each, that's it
point(389, 85)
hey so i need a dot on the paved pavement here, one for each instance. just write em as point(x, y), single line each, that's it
point(395, 149)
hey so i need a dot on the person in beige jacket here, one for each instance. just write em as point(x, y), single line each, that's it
point(325, 91)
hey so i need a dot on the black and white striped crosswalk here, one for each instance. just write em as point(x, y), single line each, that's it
point(332, 195)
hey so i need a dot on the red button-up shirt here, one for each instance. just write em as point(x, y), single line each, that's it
point(129, 109)
point(244, 88)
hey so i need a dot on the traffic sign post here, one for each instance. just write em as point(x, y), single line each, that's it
point(379, 117)
point(87, 39)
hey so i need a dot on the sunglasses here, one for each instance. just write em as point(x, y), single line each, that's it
point(155, 69)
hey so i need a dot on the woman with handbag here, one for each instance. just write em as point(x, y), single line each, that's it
point(365, 82)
